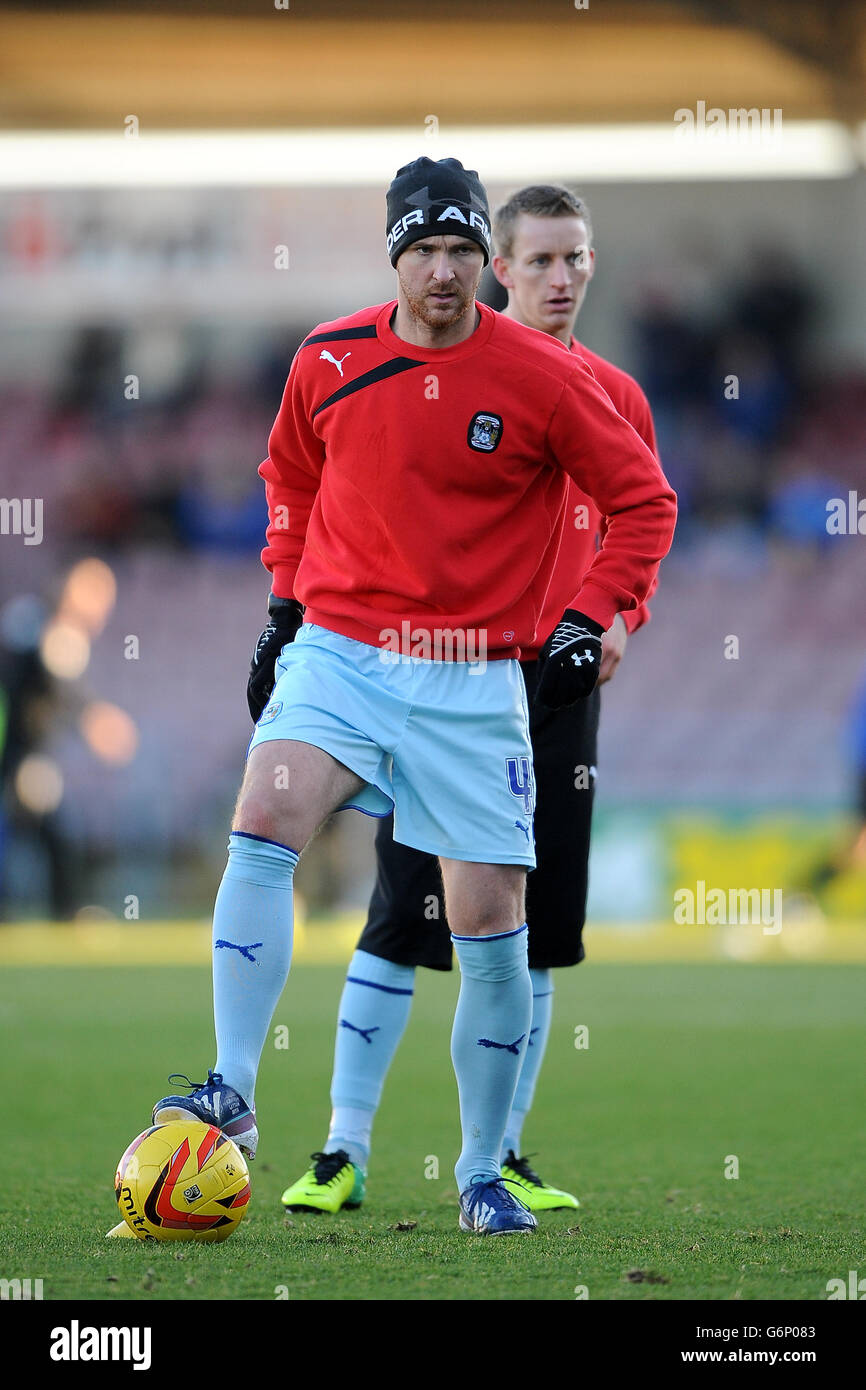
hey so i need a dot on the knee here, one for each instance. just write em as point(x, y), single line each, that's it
point(257, 813)
point(486, 918)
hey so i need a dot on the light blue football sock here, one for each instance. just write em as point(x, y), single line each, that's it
point(542, 1014)
point(252, 951)
point(374, 1010)
point(488, 1044)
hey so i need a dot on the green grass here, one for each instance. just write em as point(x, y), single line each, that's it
point(686, 1065)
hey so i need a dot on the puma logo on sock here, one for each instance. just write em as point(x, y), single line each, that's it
point(246, 951)
point(503, 1047)
point(365, 1032)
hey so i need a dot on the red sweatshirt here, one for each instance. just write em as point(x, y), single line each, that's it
point(410, 485)
point(584, 525)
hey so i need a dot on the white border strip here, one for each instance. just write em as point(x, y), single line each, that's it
point(358, 158)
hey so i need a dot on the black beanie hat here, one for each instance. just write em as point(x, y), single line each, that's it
point(439, 198)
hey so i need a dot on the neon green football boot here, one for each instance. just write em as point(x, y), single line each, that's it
point(332, 1182)
point(523, 1182)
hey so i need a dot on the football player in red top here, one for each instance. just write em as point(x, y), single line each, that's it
point(545, 259)
point(417, 476)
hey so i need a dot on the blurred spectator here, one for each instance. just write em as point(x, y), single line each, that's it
point(765, 395)
point(31, 782)
point(797, 512)
point(851, 854)
point(775, 304)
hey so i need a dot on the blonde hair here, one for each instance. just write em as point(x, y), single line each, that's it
point(538, 200)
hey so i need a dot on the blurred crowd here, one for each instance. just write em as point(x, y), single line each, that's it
point(752, 438)
point(142, 439)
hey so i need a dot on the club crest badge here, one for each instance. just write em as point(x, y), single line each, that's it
point(271, 712)
point(485, 432)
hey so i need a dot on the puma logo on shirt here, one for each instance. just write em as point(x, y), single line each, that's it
point(325, 356)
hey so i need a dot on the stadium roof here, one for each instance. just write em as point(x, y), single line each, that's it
point(245, 64)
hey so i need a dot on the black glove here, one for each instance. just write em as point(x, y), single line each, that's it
point(285, 617)
point(570, 661)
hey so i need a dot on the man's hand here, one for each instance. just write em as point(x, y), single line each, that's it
point(569, 661)
point(612, 648)
point(285, 617)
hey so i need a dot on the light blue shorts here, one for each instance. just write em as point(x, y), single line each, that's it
point(445, 744)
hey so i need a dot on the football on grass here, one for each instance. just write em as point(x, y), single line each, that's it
point(182, 1181)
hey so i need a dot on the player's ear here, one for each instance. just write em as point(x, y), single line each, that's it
point(500, 269)
point(591, 266)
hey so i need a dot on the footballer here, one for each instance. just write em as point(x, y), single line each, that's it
point(417, 477)
point(543, 237)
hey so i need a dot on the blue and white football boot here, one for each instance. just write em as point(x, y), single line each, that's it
point(489, 1209)
point(215, 1104)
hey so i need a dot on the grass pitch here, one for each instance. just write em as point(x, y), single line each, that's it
point(691, 1071)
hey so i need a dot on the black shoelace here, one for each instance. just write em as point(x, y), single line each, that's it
point(213, 1079)
point(329, 1166)
point(509, 1198)
point(521, 1167)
